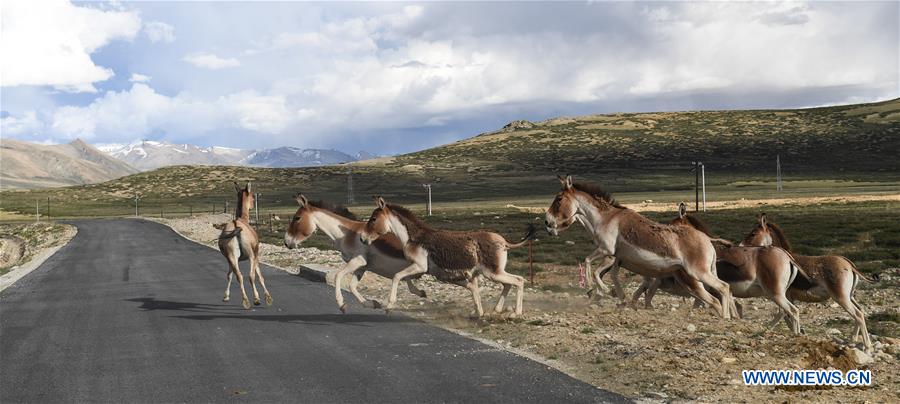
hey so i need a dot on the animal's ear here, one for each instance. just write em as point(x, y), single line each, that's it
point(762, 220)
point(301, 200)
point(237, 187)
point(379, 202)
point(569, 182)
point(682, 209)
point(562, 180)
point(248, 186)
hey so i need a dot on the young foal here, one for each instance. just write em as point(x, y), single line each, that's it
point(238, 242)
point(461, 256)
point(831, 276)
point(383, 257)
point(750, 271)
point(643, 246)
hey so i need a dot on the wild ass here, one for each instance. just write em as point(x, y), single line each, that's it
point(239, 242)
point(641, 245)
point(750, 271)
point(829, 276)
point(456, 256)
point(383, 257)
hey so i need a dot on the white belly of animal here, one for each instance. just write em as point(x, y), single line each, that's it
point(646, 262)
point(745, 289)
point(385, 266)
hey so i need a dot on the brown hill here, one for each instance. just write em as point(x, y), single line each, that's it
point(30, 165)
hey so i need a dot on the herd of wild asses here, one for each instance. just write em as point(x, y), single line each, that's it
point(680, 257)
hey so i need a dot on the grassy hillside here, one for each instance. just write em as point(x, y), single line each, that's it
point(626, 152)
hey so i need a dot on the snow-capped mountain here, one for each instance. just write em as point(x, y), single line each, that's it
point(296, 157)
point(149, 155)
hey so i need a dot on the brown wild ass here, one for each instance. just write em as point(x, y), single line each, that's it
point(750, 271)
point(239, 242)
point(642, 246)
point(457, 256)
point(829, 276)
point(383, 257)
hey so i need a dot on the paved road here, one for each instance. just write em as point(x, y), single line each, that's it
point(131, 312)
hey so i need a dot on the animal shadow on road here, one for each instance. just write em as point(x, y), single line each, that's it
point(225, 311)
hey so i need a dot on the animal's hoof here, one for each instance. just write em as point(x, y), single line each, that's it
point(269, 300)
point(515, 315)
point(343, 308)
point(256, 302)
point(225, 299)
point(387, 311)
point(376, 304)
point(590, 293)
point(246, 303)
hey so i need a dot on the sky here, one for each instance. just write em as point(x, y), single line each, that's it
point(395, 77)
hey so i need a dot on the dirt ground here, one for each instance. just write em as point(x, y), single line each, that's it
point(668, 353)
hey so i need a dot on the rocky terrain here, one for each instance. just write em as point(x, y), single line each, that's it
point(19, 243)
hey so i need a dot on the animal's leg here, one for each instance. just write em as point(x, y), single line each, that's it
point(858, 316)
point(472, 285)
point(651, 291)
point(354, 283)
point(600, 288)
point(507, 279)
point(262, 282)
point(594, 278)
point(351, 266)
point(233, 262)
point(723, 289)
point(788, 310)
point(414, 290)
point(253, 280)
point(230, 276)
point(697, 290)
point(412, 269)
point(500, 301)
point(644, 286)
point(617, 283)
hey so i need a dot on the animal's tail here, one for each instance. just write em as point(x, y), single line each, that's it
point(220, 226)
point(871, 279)
point(800, 272)
point(529, 235)
point(225, 236)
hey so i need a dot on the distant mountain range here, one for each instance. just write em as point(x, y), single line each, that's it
point(149, 155)
point(30, 165)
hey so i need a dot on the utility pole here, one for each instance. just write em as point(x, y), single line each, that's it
point(696, 171)
point(37, 210)
point(703, 183)
point(256, 207)
point(778, 172)
point(428, 187)
point(137, 211)
point(349, 185)
point(48, 208)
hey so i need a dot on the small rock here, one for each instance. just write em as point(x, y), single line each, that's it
point(884, 357)
point(690, 327)
point(890, 341)
point(859, 357)
point(759, 354)
point(833, 331)
point(835, 305)
point(570, 242)
point(726, 360)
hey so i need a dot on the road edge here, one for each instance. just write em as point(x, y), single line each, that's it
point(10, 278)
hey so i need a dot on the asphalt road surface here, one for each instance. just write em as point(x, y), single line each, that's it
point(129, 311)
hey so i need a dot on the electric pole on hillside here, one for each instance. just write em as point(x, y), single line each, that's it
point(349, 185)
point(778, 172)
point(699, 184)
point(428, 206)
point(256, 206)
point(136, 210)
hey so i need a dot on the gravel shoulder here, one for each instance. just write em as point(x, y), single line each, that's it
point(668, 353)
point(24, 247)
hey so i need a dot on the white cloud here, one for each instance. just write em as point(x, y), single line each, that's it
point(51, 43)
point(25, 124)
point(139, 78)
point(157, 31)
point(210, 61)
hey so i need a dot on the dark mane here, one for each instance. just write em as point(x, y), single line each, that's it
point(596, 192)
point(412, 222)
point(779, 236)
point(339, 210)
point(696, 223)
